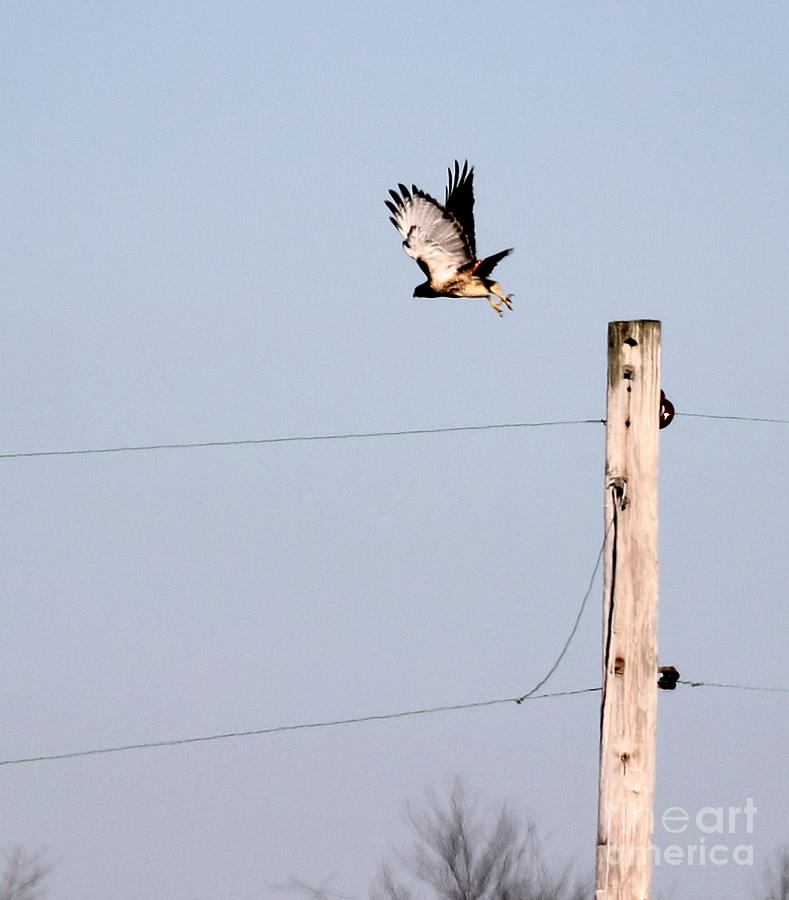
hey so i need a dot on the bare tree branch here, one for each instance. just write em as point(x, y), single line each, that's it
point(776, 877)
point(22, 876)
point(322, 892)
point(462, 855)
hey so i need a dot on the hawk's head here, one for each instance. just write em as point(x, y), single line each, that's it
point(424, 290)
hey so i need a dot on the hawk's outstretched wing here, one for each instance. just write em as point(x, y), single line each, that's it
point(433, 236)
point(460, 201)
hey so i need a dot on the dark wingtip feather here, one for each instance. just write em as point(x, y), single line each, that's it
point(459, 176)
point(404, 191)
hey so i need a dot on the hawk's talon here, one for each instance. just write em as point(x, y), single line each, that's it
point(495, 290)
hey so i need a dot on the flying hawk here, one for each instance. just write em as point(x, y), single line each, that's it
point(441, 240)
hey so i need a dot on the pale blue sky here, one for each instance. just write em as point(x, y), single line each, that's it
point(197, 250)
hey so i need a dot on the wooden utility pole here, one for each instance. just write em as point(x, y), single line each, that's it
point(630, 599)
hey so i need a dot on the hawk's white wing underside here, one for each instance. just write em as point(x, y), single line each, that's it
point(431, 234)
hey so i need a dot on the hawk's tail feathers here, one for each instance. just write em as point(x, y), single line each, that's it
point(486, 266)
